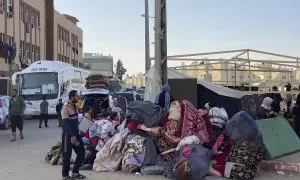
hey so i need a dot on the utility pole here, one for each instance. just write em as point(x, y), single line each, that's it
point(161, 39)
point(147, 41)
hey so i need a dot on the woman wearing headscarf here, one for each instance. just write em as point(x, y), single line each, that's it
point(296, 112)
point(164, 99)
point(266, 110)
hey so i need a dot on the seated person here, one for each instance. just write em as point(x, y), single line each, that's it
point(266, 110)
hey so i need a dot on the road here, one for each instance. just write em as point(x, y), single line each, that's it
point(24, 160)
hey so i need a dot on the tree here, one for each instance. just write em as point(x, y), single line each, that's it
point(120, 69)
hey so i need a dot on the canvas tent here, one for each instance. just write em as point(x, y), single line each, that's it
point(200, 92)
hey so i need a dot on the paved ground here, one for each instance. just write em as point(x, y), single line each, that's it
point(24, 160)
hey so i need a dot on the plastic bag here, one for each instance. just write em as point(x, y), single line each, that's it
point(153, 84)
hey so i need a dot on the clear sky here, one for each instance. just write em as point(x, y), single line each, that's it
point(116, 27)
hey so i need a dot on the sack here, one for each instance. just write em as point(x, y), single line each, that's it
point(182, 170)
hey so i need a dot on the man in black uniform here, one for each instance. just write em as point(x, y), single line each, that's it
point(71, 139)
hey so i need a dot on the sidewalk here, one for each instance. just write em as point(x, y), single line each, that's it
point(289, 163)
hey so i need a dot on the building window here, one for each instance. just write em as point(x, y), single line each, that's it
point(26, 14)
point(68, 37)
point(1, 6)
point(58, 32)
point(9, 8)
point(37, 53)
point(1, 37)
point(74, 41)
point(21, 49)
point(33, 52)
point(22, 12)
point(10, 40)
point(37, 19)
point(283, 77)
point(27, 54)
point(32, 18)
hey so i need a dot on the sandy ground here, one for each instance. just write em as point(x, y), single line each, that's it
point(24, 160)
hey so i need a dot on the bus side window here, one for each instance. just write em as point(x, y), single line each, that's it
point(66, 82)
point(77, 78)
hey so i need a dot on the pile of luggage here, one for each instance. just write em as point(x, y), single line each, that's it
point(96, 80)
point(182, 142)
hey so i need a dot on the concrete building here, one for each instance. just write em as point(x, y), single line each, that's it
point(229, 74)
point(139, 80)
point(99, 63)
point(31, 30)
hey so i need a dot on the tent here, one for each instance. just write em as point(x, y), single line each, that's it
point(200, 92)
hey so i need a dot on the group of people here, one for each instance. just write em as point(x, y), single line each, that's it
point(169, 137)
point(271, 107)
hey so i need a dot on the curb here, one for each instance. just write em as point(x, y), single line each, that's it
point(280, 166)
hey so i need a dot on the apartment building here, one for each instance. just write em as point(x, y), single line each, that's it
point(31, 30)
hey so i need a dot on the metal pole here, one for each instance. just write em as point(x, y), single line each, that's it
point(226, 72)
point(248, 57)
point(147, 41)
point(157, 36)
point(235, 74)
point(161, 39)
point(164, 47)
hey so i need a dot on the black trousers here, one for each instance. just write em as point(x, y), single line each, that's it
point(67, 153)
point(44, 117)
point(59, 119)
point(16, 122)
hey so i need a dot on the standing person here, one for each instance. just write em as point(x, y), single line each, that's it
point(16, 112)
point(44, 112)
point(164, 99)
point(71, 138)
point(58, 111)
point(276, 100)
point(296, 112)
point(289, 97)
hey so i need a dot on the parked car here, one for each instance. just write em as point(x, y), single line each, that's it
point(141, 92)
point(130, 96)
point(4, 105)
point(91, 96)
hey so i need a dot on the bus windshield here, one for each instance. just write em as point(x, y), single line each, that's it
point(33, 86)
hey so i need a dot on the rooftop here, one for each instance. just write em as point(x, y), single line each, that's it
point(73, 19)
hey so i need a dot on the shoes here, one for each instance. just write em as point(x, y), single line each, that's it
point(68, 178)
point(86, 167)
point(21, 136)
point(78, 176)
point(13, 137)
